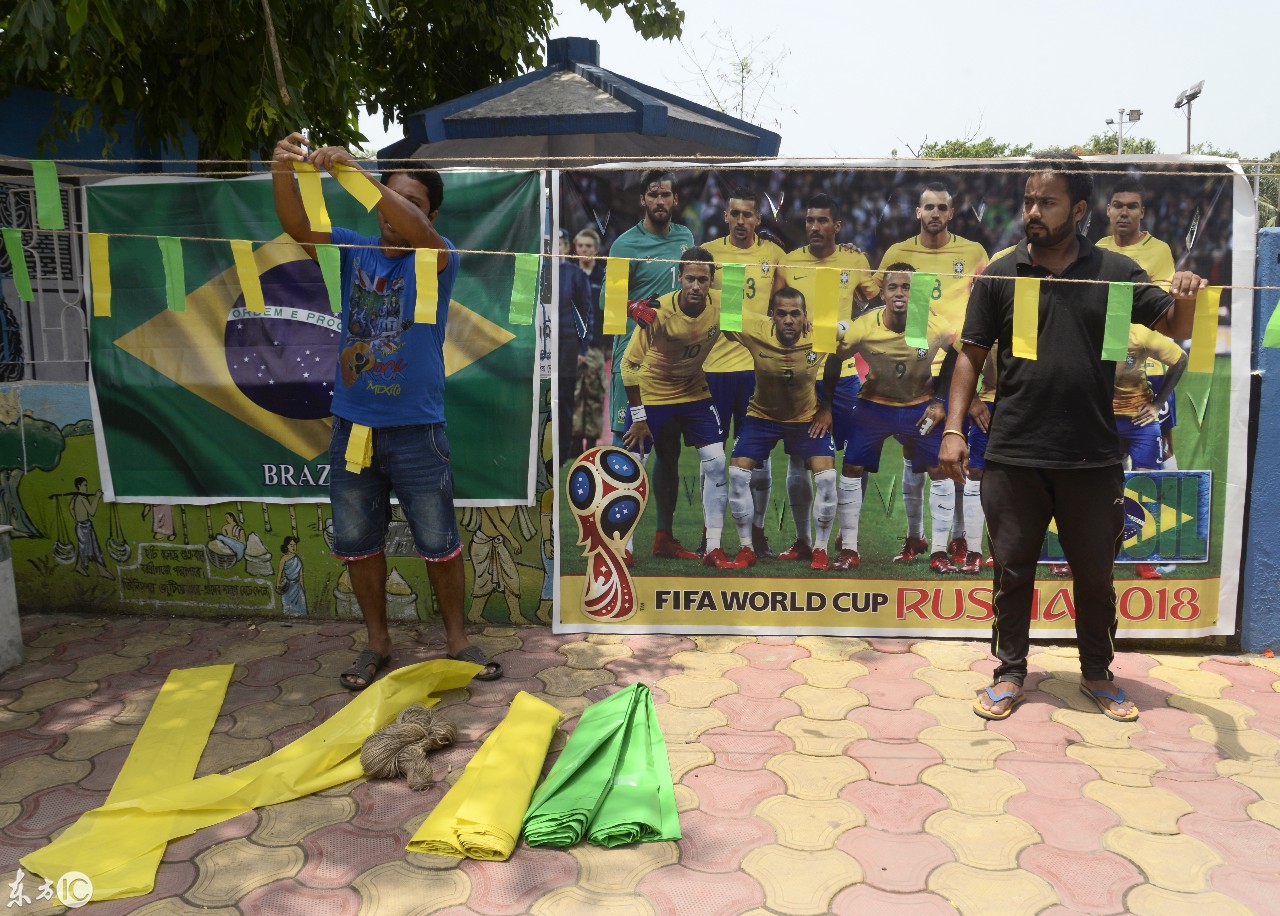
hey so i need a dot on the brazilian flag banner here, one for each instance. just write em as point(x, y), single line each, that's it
point(201, 397)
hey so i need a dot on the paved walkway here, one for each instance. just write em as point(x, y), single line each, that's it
point(814, 775)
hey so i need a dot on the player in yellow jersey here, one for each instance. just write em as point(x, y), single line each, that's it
point(784, 407)
point(898, 398)
point(1137, 407)
point(668, 400)
point(1125, 210)
point(954, 261)
point(730, 375)
point(975, 517)
point(856, 286)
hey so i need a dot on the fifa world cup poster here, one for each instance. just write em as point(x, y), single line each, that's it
point(727, 499)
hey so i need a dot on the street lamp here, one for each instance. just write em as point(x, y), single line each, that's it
point(1185, 98)
point(1134, 115)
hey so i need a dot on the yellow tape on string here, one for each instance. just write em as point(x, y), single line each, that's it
point(825, 310)
point(1026, 316)
point(426, 262)
point(1204, 331)
point(359, 185)
point(247, 274)
point(359, 454)
point(616, 282)
point(313, 197)
point(100, 274)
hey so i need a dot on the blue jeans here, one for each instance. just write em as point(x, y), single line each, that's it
point(412, 460)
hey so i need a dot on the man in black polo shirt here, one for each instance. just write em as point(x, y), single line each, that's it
point(1053, 450)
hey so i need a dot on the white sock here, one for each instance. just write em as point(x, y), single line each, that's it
point(713, 538)
point(824, 508)
point(761, 481)
point(913, 499)
point(959, 521)
point(974, 518)
point(715, 492)
point(800, 492)
point(849, 507)
point(942, 505)
point(740, 502)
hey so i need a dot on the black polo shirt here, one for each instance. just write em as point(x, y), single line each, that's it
point(1055, 411)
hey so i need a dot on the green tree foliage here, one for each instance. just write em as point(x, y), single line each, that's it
point(1105, 145)
point(208, 67)
point(28, 444)
point(987, 148)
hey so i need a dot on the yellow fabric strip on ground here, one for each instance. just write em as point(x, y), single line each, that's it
point(119, 844)
point(480, 816)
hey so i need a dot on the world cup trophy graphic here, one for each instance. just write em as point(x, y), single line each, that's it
point(607, 490)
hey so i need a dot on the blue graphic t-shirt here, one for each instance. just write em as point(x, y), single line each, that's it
point(390, 370)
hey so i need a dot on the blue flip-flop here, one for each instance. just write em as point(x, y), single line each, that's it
point(1101, 694)
point(997, 698)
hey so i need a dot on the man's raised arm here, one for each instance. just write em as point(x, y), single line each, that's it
point(289, 208)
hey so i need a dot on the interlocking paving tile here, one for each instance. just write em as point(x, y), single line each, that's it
point(754, 714)
point(894, 762)
point(1246, 744)
point(224, 753)
point(1096, 729)
point(260, 720)
point(1177, 863)
point(894, 861)
point(771, 656)
point(821, 737)
point(1182, 662)
point(708, 664)
point(885, 692)
point(719, 643)
point(49, 810)
point(187, 848)
point(288, 824)
point(824, 703)
point(957, 685)
point(1194, 682)
point(808, 824)
point(976, 890)
point(725, 793)
point(290, 897)
point(337, 854)
point(1221, 713)
point(1266, 811)
point(1255, 889)
point(718, 844)
point(512, 887)
point(828, 672)
point(1153, 810)
point(1226, 798)
point(13, 721)
point(592, 655)
point(952, 712)
point(681, 725)
point(231, 870)
point(971, 750)
point(798, 882)
point(571, 682)
point(889, 645)
point(521, 664)
point(816, 777)
point(1091, 882)
point(49, 693)
point(973, 791)
point(763, 682)
point(576, 901)
point(1046, 775)
point(1148, 900)
point(401, 888)
point(692, 692)
point(739, 750)
point(687, 757)
point(1251, 846)
point(948, 655)
point(1123, 766)
point(892, 724)
point(831, 647)
point(30, 775)
point(179, 907)
point(983, 841)
point(27, 744)
point(897, 809)
point(863, 898)
point(1073, 824)
point(679, 889)
point(1189, 757)
point(97, 667)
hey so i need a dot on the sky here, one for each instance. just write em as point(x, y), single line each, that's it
point(855, 80)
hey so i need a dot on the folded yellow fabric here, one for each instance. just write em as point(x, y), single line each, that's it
point(480, 816)
point(119, 845)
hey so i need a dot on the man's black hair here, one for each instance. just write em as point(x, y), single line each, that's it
point(787, 292)
point(656, 176)
point(936, 187)
point(697, 255)
point(821, 201)
point(1129, 185)
point(1074, 171)
point(898, 267)
point(420, 172)
point(745, 192)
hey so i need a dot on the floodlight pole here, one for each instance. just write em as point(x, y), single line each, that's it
point(1188, 107)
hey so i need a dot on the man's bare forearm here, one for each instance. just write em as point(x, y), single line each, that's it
point(964, 382)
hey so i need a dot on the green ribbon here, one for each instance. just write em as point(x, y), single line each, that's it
point(175, 281)
point(922, 285)
point(1115, 336)
point(731, 282)
point(48, 195)
point(524, 289)
point(18, 258)
point(330, 261)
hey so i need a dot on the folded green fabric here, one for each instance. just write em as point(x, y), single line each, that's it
point(611, 783)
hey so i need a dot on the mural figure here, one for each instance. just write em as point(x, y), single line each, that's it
point(293, 600)
point(83, 507)
point(161, 521)
point(232, 536)
point(493, 545)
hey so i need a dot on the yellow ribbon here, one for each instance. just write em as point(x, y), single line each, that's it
point(359, 448)
point(480, 816)
point(359, 185)
point(100, 274)
point(247, 274)
point(616, 281)
point(825, 309)
point(1026, 316)
point(313, 197)
point(1204, 331)
point(118, 845)
point(426, 263)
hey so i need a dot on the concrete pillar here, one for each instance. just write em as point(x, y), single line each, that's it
point(1260, 610)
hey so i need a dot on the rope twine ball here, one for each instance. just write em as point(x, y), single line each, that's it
point(401, 748)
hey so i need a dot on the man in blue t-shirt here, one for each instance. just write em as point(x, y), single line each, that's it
point(388, 401)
